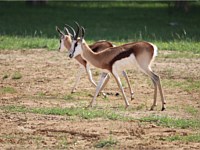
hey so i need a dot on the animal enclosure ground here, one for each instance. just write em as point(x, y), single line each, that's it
point(39, 112)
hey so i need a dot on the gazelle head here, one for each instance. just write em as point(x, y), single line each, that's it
point(76, 46)
point(65, 40)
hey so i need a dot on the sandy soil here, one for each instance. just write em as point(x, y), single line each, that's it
point(47, 79)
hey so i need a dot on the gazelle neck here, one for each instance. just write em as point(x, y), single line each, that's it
point(89, 55)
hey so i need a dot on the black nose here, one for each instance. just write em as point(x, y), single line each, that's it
point(70, 55)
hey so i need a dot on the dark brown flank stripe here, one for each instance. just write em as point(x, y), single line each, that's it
point(122, 55)
point(135, 50)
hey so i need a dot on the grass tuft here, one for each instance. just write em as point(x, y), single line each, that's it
point(17, 75)
point(187, 85)
point(5, 76)
point(191, 110)
point(73, 111)
point(172, 122)
point(105, 143)
point(5, 90)
point(186, 138)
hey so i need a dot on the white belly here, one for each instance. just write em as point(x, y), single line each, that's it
point(125, 63)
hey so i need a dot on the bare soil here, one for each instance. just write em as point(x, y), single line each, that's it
point(47, 79)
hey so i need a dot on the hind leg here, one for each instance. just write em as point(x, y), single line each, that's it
point(155, 94)
point(129, 85)
point(156, 81)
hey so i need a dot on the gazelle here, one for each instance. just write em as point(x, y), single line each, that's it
point(114, 59)
point(65, 44)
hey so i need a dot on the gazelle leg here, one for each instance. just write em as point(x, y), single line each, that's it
point(155, 94)
point(88, 71)
point(78, 76)
point(117, 78)
point(98, 88)
point(105, 82)
point(161, 91)
point(156, 79)
point(90, 77)
point(129, 85)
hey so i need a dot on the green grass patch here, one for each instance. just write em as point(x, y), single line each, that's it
point(62, 143)
point(4, 90)
point(120, 22)
point(28, 42)
point(5, 76)
point(191, 110)
point(188, 85)
point(172, 122)
point(106, 143)
point(69, 97)
point(176, 55)
point(186, 138)
point(41, 94)
point(17, 75)
point(73, 111)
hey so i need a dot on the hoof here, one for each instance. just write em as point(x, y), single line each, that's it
point(151, 109)
point(163, 109)
point(89, 106)
point(126, 106)
point(117, 94)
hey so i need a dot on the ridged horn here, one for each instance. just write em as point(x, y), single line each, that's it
point(82, 32)
point(74, 33)
point(59, 31)
point(78, 30)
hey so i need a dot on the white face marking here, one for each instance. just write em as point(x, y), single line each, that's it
point(75, 49)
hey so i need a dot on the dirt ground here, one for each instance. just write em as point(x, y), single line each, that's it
point(47, 79)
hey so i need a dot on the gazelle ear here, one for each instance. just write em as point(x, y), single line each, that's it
point(59, 31)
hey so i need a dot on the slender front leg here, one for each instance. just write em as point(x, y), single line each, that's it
point(105, 83)
point(129, 85)
point(88, 71)
point(117, 78)
point(99, 87)
point(78, 76)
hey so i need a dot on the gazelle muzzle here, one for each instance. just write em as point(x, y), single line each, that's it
point(71, 55)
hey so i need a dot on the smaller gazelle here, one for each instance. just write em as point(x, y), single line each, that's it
point(114, 59)
point(65, 44)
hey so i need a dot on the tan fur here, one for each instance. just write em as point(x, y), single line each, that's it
point(67, 41)
point(98, 46)
point(103, 59)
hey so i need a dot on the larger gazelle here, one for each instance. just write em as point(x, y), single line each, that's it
point(114, 59)
point(65, 44)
